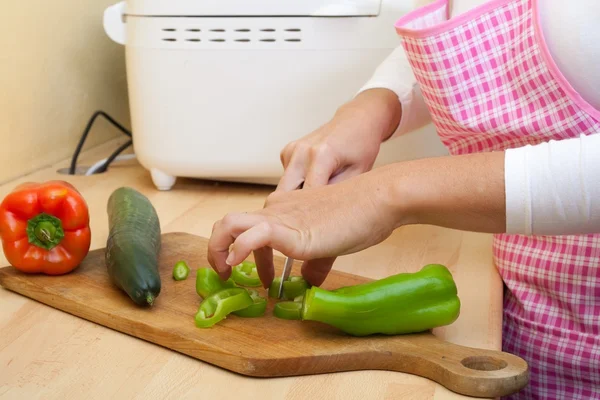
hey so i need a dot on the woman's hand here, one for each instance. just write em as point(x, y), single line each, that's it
point(317, 224)
point(344, 147)
point(314, 225)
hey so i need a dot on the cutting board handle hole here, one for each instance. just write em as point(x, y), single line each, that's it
point(484, 363)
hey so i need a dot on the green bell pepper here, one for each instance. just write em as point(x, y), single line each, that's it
point(209, 282)
point(217, 306)
point(399, 304)
point(245, 274)
point(255, 310)
point(293, 287)
point(180, 271)
point(288, 310)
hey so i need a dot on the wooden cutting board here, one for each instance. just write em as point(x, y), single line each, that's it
point(266, 346)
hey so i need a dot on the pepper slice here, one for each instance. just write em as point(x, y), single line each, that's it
point(209, 282)
point(181, 271)
point(288, 310)
point(45, 228)
point(245, 274)
point(255, 310)
point(399, 304)
point(293, 287)
point(217, 306)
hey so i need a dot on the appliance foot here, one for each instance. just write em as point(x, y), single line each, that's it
point(161, 180)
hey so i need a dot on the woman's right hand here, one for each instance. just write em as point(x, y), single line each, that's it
point(345, 146)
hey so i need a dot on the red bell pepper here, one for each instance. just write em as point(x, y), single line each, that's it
point(44, 227)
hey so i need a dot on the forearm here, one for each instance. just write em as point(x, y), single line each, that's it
point(549, 189)
point(460, 192)
point(379, 109)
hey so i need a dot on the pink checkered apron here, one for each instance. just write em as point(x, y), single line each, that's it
point(490, 84)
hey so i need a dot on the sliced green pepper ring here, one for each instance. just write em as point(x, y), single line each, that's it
point(293, 287)
point(245, 274)
point(255, 310)
point(288, 310)
point(209, 282)
point(180, 271)
point(217, 306)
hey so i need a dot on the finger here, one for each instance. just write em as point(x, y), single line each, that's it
point(264, 265)
point(286, 154)
point(224, 234)
point(292, 178)
point(345, 174)
point(261, 236)
point(316, 271)
point(322, 165)
point(294, 173)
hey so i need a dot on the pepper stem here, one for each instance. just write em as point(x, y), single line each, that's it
point(150, 299)
point(45, 231)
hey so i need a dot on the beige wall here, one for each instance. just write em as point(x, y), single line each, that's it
point(57, 67)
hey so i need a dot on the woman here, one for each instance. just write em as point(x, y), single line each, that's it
point(513, 89)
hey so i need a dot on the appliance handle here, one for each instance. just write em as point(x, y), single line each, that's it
point(114, 22)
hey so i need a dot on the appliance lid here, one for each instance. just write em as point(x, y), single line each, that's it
point(253, 8)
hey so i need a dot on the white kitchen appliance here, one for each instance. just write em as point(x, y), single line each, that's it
point(218, 87)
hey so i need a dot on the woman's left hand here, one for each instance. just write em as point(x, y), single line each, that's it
point(315, 225)
point(318, 224)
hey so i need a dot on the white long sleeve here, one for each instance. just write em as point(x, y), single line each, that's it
point(395, 74)
point(553, 188)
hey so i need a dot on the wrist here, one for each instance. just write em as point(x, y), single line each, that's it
point(395, 195)
point(377, 111)
point(404, 195)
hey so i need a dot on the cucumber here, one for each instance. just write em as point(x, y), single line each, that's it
point(133, 245)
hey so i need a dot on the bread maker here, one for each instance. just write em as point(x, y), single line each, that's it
point(217, 88)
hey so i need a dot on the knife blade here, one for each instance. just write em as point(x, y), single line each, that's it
point(287, 266)
point(287, 269)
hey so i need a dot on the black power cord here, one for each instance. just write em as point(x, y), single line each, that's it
point(84, 136)
point(114, 155)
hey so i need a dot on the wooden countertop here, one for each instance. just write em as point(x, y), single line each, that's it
point(45, 353)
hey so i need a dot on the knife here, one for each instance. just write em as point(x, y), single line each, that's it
point(287, 267)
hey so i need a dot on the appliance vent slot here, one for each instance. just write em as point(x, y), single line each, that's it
point(231, 35)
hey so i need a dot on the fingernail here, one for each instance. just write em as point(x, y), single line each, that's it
point(230, 258)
